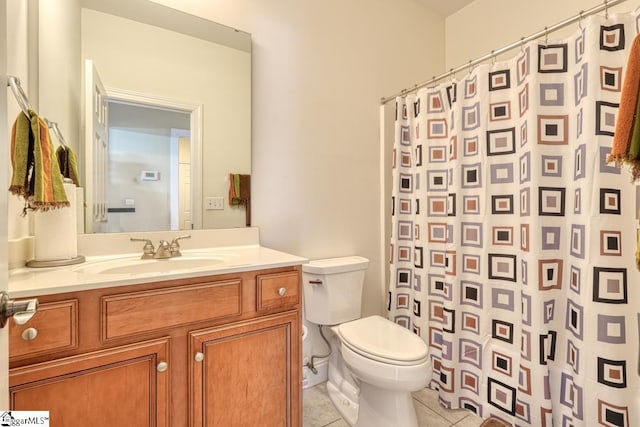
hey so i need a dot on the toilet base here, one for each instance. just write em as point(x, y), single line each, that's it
point(348, 408)
point(384, 408)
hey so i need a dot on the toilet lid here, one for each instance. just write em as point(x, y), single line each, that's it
point(380, 337)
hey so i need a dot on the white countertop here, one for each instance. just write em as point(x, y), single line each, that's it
point(28, 282)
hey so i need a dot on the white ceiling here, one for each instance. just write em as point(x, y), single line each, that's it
point(446, 7)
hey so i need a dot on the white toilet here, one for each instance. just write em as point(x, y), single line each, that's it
point(375, 364)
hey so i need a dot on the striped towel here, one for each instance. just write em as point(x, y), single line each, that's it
point(36, 174)
point(68, 163)
point(239, 189)
point(626, 138)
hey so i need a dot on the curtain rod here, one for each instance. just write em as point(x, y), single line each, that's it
point(604, 6)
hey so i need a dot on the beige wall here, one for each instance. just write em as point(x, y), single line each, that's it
point(319, 70)
point(59, 72)
point(487, 25)
point(19, 63)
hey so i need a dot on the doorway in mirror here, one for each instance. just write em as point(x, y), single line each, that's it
point(149, 168)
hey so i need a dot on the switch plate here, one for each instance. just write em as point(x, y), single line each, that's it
point(214, 203)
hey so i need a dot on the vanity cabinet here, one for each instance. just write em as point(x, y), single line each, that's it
point(249, 362)
point(125, 385)
point(221, 350)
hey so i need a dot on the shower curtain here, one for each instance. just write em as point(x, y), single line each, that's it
point(512, 249)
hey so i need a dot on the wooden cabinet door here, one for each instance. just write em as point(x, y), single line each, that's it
point(247, 374)
point(121, 386)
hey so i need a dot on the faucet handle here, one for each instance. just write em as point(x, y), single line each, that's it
point(175, 246)
point(148, 249)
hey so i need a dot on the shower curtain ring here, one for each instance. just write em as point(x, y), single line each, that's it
point(470, 67)
point(521, 44)
point(493, 57)
point(606, 9)
point(451, 75)
point(580, 20)
point(546, 36)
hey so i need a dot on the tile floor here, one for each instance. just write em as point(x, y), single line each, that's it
point(318, 411)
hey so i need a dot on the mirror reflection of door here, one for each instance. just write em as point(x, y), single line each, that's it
point(184, 182)
point(138, 178)
point(149, 168)
point(96, 149)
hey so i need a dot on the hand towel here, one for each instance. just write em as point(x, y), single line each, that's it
point(239, 188)
point(68, 163)
point(245, 197)
point(245, 187)
point(627, 111)
point(233, 191)
point(36, 174)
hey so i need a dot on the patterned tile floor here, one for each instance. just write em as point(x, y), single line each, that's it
point(318, 411)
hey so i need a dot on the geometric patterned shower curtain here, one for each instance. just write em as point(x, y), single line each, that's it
point(512, 250)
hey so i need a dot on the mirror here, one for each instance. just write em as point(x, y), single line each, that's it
point(147, 54)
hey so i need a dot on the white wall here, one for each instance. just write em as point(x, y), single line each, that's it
point(130, 152)
point(487, 25)
point(319, 70)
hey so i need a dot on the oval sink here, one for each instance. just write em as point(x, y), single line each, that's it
point(141, 266)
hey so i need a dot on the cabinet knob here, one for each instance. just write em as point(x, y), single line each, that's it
point(199, 357)
point(162, 366)
point(282, 291)
point(29, 334)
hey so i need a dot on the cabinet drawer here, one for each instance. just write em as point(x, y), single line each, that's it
point(55, 326)
point(277, 290)
point(146, 311)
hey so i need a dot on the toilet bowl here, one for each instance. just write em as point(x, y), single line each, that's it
point(388, 362)
point(375, 364)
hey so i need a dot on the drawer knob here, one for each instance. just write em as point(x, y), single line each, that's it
point(29, 334)
point(199, 357)
point(162, 366)
point(282, 291)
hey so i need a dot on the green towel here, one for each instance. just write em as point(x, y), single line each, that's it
point(634, 143)
point(236, 186)
point(68, 163)
point(36, 174)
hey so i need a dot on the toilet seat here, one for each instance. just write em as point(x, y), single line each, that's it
point(382, 340)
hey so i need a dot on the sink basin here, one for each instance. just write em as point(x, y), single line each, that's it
point(135, 265)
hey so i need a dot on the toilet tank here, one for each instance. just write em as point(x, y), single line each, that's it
point(332, 289)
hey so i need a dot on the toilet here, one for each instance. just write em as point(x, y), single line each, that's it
point(374, 364)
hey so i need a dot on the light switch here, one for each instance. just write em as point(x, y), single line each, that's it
point(214, 203)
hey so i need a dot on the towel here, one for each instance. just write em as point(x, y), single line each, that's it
point(239, 188)
point(240, 193)
point(68, 163)
point(627, 112)
point(36, 174)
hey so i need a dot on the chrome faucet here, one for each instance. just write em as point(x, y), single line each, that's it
point(165, 249)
